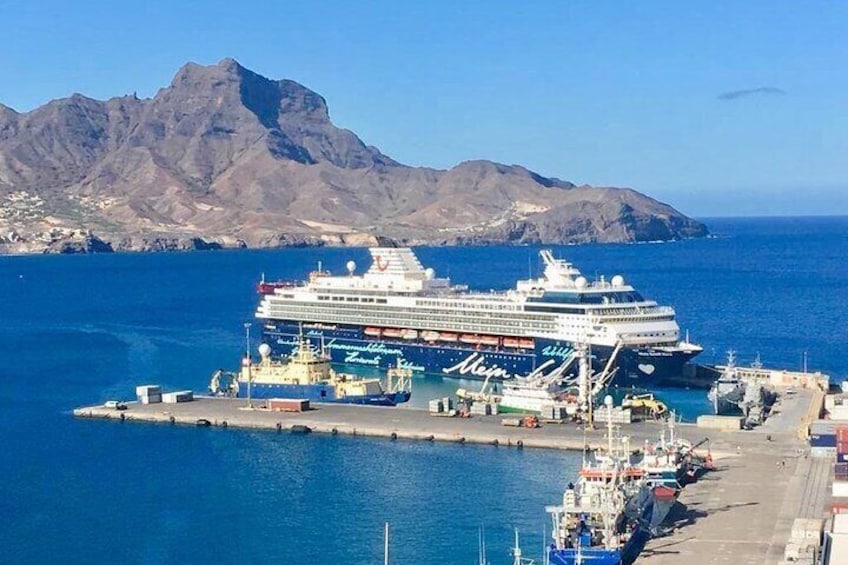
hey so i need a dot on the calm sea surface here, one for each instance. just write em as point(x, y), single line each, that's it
point(83, 329)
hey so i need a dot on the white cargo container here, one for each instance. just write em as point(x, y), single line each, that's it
point(840, 524)
point(823, 452)
point(176, 397)
point(836, 549)
point(840, 490)
point(807, 530)
point(720, 422)
point(148, 390)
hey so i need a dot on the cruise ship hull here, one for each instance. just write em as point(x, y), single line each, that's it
point(350, 345)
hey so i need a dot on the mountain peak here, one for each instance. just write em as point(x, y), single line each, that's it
point(229, 154)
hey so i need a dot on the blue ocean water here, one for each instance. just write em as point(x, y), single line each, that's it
point(83, 329)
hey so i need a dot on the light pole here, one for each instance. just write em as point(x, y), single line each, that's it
point(247, 360)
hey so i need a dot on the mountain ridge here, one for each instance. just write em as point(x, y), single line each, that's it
point(224, 157)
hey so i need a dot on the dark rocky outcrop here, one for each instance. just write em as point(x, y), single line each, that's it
point(224, 157)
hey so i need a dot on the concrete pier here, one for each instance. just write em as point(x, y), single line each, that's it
point(741, 513)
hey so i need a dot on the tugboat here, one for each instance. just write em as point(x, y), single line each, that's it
point(307, 374)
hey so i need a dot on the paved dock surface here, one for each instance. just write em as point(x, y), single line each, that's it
point(739, 514)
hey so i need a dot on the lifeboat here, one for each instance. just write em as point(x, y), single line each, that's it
point(410, 334)
point(429, 335)
point(469, 338)
point(510, 342)
point(392, 332)
point(526, 343)
point(489, 340)
point(374, 332)
point(447, 336)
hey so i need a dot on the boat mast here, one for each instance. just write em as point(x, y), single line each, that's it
point(386, 545)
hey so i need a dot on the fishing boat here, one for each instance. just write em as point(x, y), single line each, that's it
point(590, 527)
point(307, 374)
point(605, 518)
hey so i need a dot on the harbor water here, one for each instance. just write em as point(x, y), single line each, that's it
point(83, 329)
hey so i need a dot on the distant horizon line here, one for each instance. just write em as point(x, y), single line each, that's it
point(768, 216)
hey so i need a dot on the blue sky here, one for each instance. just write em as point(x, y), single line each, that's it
point(718, 108)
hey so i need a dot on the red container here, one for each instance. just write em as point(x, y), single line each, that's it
point(842, 434)
point(288, 404)
point(839, 506)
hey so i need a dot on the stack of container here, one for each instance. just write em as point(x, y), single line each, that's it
point(437, 406)
point(835, 547)
point(804, 541)
point(618, 416)
point(149, 394)
point(823, 438)
point(484, 408)
point(553, 412)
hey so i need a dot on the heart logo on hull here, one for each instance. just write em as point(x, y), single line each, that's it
point(647, 369)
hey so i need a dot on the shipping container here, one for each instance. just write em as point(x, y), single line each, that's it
point(839, 506)
point(823, 440)
point(842, 434)
point(825, 452)
point(840, 489)
point(824, 427)
point(836, 549)
point(840, 524)
point(720, 422)
point(288, 404)
point(178, 396)
point(436, 406)
point(807, 531)
point(150, 399)
point(147, 390)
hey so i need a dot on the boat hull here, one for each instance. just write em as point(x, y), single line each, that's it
point(350, 345)
point(626, 555)
point(319, 393)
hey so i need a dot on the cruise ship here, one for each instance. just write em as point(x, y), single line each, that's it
point(399, 311)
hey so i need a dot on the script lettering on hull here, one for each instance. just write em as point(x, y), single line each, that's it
point(474, 365)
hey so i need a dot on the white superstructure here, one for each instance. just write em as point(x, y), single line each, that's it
point(399, 298)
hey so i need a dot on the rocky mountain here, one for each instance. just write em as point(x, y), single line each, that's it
point(225, 157)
